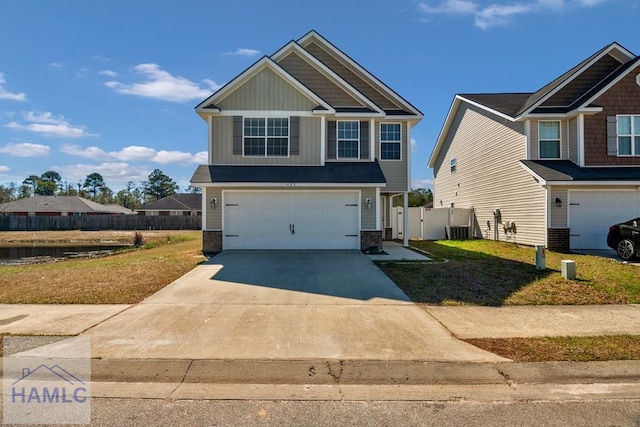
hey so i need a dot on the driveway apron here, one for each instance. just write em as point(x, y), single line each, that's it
point(294, 305)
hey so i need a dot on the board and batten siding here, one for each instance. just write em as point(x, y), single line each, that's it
point(395, 171)
point(368, 216)
point(535, 143)
point(558, 216)
point(266, 91)
point(213, 219)
point(317, 82)
point(222, 145)
point(489, 175)
point(573, 140)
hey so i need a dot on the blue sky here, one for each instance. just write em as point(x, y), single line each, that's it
point(110, 87)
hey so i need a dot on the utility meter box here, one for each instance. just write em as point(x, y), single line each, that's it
point(541, 257)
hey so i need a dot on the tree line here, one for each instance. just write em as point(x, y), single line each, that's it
point(132, 196)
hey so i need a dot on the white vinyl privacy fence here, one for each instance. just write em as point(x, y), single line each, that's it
point(430, 224)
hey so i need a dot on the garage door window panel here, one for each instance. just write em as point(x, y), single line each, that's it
point(266, 137)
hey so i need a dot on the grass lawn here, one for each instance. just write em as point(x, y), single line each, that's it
point(485, 272)
point(124, 278)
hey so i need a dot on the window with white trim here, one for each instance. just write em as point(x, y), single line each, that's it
point(348, 140)
point(454, 165)
point(390, 141)
point(549, 139)
point(266, 137)
point(628, 135)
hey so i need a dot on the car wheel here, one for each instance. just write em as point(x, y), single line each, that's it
point(626, 249)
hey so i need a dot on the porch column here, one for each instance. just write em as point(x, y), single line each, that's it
point(405, 219)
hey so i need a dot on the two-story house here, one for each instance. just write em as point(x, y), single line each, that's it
point(306, 151)
point(554, 167)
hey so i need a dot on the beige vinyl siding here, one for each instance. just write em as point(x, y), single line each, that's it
point(222, 145)
point(489, 175)
point(213, 219)
point(558, 215)
point(368, 216)
point(350, 75)
point(573, 140)
point(317, 82)
point(395, 171)
point(266, 91)
point(535, 143)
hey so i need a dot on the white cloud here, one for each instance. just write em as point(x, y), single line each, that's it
point(4, 169)
point(414, 145)
point(25, 149)
point(241, 51)
point(108, 73)
point(499, 14)
point(160, 84)
point(101, 58)
point(422, 183)
point(5, 94)
point(137, 153)
point(118, 172)
point(49, 125)
point(212, 84)
point(56, 64)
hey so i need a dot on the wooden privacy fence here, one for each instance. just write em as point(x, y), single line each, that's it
point(99, 222)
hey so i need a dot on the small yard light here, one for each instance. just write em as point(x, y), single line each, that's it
point(214, 202)
point(558, 202)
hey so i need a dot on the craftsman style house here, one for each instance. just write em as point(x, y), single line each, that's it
point(554, 167)
point(306, 151)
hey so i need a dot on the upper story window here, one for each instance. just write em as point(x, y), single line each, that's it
point(390, 141)
point(549, 139)
point(348, 140)
point(266, 137)
point(454, 164)
point(629, 135)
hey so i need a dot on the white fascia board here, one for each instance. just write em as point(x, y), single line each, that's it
point(263, 63)
point(577, 73)
point(568, 115)
point(538, 178)
point(388, 91)
point(360, 115)
point(332, 76)
point(267, 113)
point(290, 184)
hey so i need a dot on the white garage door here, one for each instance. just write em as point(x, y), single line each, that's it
point(291, 220)
point(591, 213)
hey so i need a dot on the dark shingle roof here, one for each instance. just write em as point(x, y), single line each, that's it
point(177, 202)
point(59, 204)
point(566, 170)
point(507, 103)
point(330, 173)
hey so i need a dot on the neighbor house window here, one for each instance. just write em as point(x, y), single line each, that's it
point(549, 139)
point(390, 141)
point(453, 165)
point(629, 135)
point(348, 139)
point(266, 137)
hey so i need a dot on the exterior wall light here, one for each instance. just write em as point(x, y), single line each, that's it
point(368, 202)
point(214, 202)
point(558, 202)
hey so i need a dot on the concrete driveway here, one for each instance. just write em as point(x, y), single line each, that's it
point(286, 305)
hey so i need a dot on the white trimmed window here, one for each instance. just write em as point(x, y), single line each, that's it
point(266, 137)
point(348, 139)
point(390, 141)
point(549, 139)
point(454, 165)
point(628, 135)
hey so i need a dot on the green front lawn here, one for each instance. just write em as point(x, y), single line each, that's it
point(485, 272)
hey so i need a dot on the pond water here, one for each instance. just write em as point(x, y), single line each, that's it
point(25, 254)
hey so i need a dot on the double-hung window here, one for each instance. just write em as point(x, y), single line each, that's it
point(628, 135)
point(266, 137)
point(549, 139)
point(348, 140)
point(390, 141)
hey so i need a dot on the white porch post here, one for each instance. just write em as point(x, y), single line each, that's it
point(405, 220)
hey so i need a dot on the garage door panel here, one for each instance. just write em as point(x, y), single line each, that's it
point(321, 219)
point(591, 213)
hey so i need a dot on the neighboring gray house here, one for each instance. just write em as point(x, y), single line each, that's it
point(183, 204)
point(561, 163)
point(59, 206)
point(306, 151)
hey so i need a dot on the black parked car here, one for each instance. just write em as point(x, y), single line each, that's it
point(624, 238)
